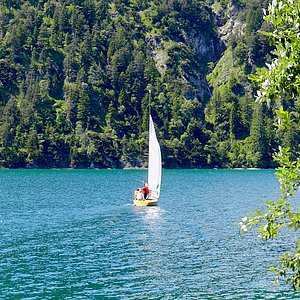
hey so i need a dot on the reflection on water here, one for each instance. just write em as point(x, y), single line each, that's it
point(151, 214)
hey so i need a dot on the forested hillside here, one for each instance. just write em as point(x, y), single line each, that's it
point(75, 76)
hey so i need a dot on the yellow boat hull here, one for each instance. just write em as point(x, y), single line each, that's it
point(145, 202)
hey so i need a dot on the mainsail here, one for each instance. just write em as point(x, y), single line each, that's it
point(154, 164)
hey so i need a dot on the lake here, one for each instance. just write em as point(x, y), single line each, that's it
point(74, 234)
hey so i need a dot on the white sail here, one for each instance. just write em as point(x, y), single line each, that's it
point(154, 165)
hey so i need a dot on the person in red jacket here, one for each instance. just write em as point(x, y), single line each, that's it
point(145, 190)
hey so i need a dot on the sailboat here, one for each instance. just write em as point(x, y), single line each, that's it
point(154, 171)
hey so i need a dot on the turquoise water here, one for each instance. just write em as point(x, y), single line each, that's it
point(73, 234)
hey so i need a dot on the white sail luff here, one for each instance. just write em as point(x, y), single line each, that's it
point(154, 163)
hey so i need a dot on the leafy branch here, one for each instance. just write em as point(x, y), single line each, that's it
point(279, 82)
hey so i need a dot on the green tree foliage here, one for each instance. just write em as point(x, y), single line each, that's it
point(78, 74)
point(279, 85)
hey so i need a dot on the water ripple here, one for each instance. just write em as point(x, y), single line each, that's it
point(71, 235)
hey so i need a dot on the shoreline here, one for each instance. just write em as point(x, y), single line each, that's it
point(139, 168)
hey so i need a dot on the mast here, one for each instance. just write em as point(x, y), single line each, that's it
point(149, 125)
point(149, 106)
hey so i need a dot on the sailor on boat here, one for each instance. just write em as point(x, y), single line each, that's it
point(138, 194)
point(145, 190)
point(142, 193)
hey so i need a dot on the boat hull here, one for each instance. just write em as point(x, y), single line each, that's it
point(145, 202)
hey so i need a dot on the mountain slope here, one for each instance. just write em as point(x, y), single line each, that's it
point(75, 77)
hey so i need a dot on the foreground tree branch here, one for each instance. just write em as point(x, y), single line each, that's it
point(278, 83)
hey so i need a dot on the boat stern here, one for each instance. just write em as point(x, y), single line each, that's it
point(145, 202)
